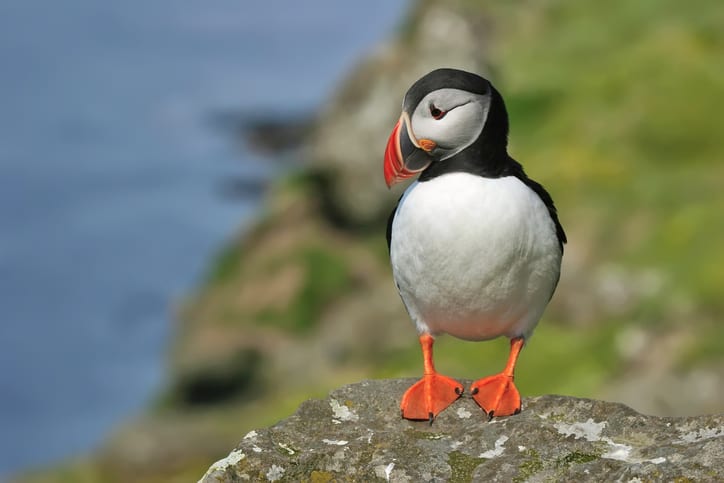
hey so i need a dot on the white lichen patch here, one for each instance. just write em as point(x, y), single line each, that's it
point(286, 448)
point(388, 470)
point(335, 442)
point(251, 436)
point(620, 452)
point(521, 449)
point(434, 436)
point(497, 451)
point(275, 473)
point(700, 435)
point(590, 430)
point(341, 412)
point(463, 413)
point(224, 463)
point(340, 462)
point(385, 471)
point(368, 437)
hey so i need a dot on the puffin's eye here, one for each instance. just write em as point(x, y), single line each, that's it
point(436, 113)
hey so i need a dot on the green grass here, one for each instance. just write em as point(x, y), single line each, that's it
point(225, 265)
point(545, 365)
point(616, 107)
point(709, 346)
point(325, 277)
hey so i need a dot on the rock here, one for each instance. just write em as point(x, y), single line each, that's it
point(356, 434)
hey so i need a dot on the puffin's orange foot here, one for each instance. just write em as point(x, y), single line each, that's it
point(429, 396)
point(497, 395)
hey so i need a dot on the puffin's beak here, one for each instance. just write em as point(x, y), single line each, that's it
point(405, 156)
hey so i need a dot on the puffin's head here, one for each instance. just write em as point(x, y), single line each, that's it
point(443, 114)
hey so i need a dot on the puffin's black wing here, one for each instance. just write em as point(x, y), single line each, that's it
point(516, 169)
point(389, 224)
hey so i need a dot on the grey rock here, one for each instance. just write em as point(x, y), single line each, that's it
point(356, 434)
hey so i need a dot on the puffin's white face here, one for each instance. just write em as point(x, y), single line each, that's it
point(452, 118)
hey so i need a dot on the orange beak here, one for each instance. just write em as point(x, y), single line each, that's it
point(405, 156)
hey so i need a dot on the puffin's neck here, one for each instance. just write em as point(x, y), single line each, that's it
point(481, 158)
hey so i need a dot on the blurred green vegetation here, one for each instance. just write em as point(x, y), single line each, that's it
point(617, 108)
point(545, 367)
point(325, 278)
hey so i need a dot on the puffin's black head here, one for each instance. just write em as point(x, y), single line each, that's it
point(444, 113)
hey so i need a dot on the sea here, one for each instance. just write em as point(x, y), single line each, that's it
point(112, 175)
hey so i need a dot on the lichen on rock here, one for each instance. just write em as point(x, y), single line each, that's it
point(554, 438)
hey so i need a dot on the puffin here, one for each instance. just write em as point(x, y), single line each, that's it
point(475, 244)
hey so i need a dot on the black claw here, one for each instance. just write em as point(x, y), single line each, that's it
point(432, 418)
point(490, 415)
point(474, 391)
point(517, 411)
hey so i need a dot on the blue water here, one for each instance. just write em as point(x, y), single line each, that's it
point(110, 207)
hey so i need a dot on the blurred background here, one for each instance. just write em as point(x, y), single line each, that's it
point(122, 174)
point(193, 213)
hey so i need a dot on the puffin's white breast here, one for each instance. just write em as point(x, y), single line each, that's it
point(474, 257)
